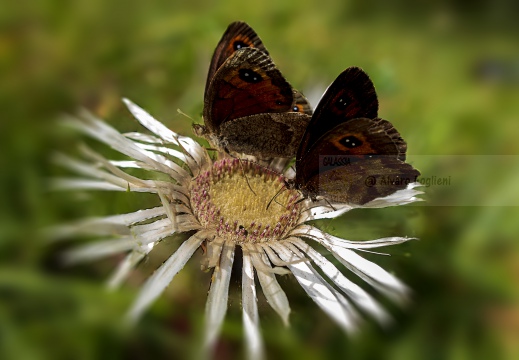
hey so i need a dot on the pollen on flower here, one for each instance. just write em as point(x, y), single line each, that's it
point(223, 198)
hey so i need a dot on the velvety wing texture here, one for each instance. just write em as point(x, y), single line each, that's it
point(247, 83)
point(352, 95)
point(355, 162)
point(301, 104)
point(265, 135)
point(237, 36)
point(363, 181)
point(350, 142)
point(249, 107)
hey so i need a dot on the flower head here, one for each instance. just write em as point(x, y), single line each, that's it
point(223, 204)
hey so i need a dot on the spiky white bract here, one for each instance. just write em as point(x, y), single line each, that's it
point(222, 203)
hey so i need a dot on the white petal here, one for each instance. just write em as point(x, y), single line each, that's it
point(88, 169)
point(164, 274)
point(260, 260)
point(275, 295)
point(191, 146)
point(213, 252)
point(101, 131)
point(289, 173)
point(367, 244)
point(327, 239)
point(276, 260)
point(278, 164)
point(87, 184)
point(131, 218)
point(87, 227)
point(253, 342)
point(154, 232)
point(371, 273)
point(109, 225)
point(129, 164)
point(143, 137)
point(216, 305)
point(325, 296)
point(322, 210)
point(181, 175)
point(165, 150)
point(151, 123)
point(99, 249)
point(401, 197)
point(125, 266)
point(355, 292)
point(174, 170)
point(120, 174)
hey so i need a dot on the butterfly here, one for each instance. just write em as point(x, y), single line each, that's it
point(348, 154)
point(249, 107)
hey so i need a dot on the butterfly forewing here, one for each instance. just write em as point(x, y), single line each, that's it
point(247, 83)
point(352, 95)
point(237, 36)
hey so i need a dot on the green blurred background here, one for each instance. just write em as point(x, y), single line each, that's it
point(447, 75)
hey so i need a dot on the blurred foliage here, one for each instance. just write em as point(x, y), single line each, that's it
point(447, 74)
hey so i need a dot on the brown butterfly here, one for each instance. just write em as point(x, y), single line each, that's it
point(347, 154)
point(249, 107)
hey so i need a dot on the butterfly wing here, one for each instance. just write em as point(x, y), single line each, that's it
point(267, 135)
point(237, 36)
point(356, 162)
point(247, 83)
point(352, 95)
point(363, 181)
point(240, 35)
point(301, 104)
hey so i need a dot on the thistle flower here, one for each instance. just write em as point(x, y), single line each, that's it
point(223, 203)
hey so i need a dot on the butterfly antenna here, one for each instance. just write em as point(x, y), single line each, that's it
point(186, 115)
point(334, 209)
point(215, 152)
point(275, 196)
point(300, 200)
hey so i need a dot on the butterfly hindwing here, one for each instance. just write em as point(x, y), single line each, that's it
point(349, 142)
point(363, 181)
point(267, 135)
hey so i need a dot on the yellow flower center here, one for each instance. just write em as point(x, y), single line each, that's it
point(233, 196)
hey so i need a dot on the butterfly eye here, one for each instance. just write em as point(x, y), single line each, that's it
point(239, 45)
point(350, 142)
point(250, 76)
point(343, 102)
